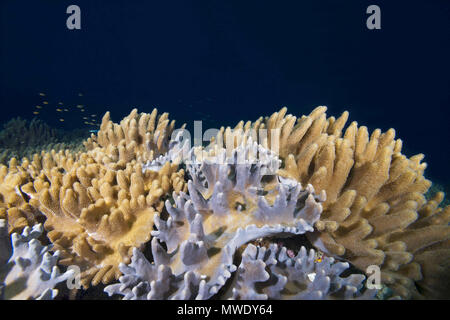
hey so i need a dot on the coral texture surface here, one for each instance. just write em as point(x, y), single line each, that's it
point(144, 215)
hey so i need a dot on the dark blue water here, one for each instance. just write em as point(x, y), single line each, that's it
point(223, 61)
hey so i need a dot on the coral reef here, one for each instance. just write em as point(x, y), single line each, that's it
point(269, 273)
point(232, 200)
point(31, 271)
point(135, 184)
point(22, 138)
point(94, 215)
point(14, 204)
point(375, 196)
point(97, 204)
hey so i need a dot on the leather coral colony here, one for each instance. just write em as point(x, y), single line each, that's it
point(353, 195)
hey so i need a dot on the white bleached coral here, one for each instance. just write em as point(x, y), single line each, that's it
point(31, 271)
point(143, 280)
point(232, 200)
point(269, 273)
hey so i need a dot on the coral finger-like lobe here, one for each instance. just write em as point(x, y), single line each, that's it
point(139, 136)
point(269, 273)
point(31, 271)
point(143, 280)
point(230, 203)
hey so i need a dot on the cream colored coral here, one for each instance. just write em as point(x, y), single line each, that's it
point(14, 206)
point(95, 215)
point(428, 240)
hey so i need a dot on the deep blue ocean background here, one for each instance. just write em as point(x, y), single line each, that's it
point(225, 61)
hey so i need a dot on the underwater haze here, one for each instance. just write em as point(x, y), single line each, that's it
point(232, 60)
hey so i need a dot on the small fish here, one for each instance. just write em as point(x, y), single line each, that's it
point(66, 109)
point(36, 112)
point(42, 94)
point(93, 130)
point(93, 115)
point(45, 102)
point(80, 106)
point(39, 107)
point(86, 122)
point(80, 94)
point(85, 118)
point(61, 120)
point(82, 110)
point(60, 103)
point(319, 256)
point(59, 110)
